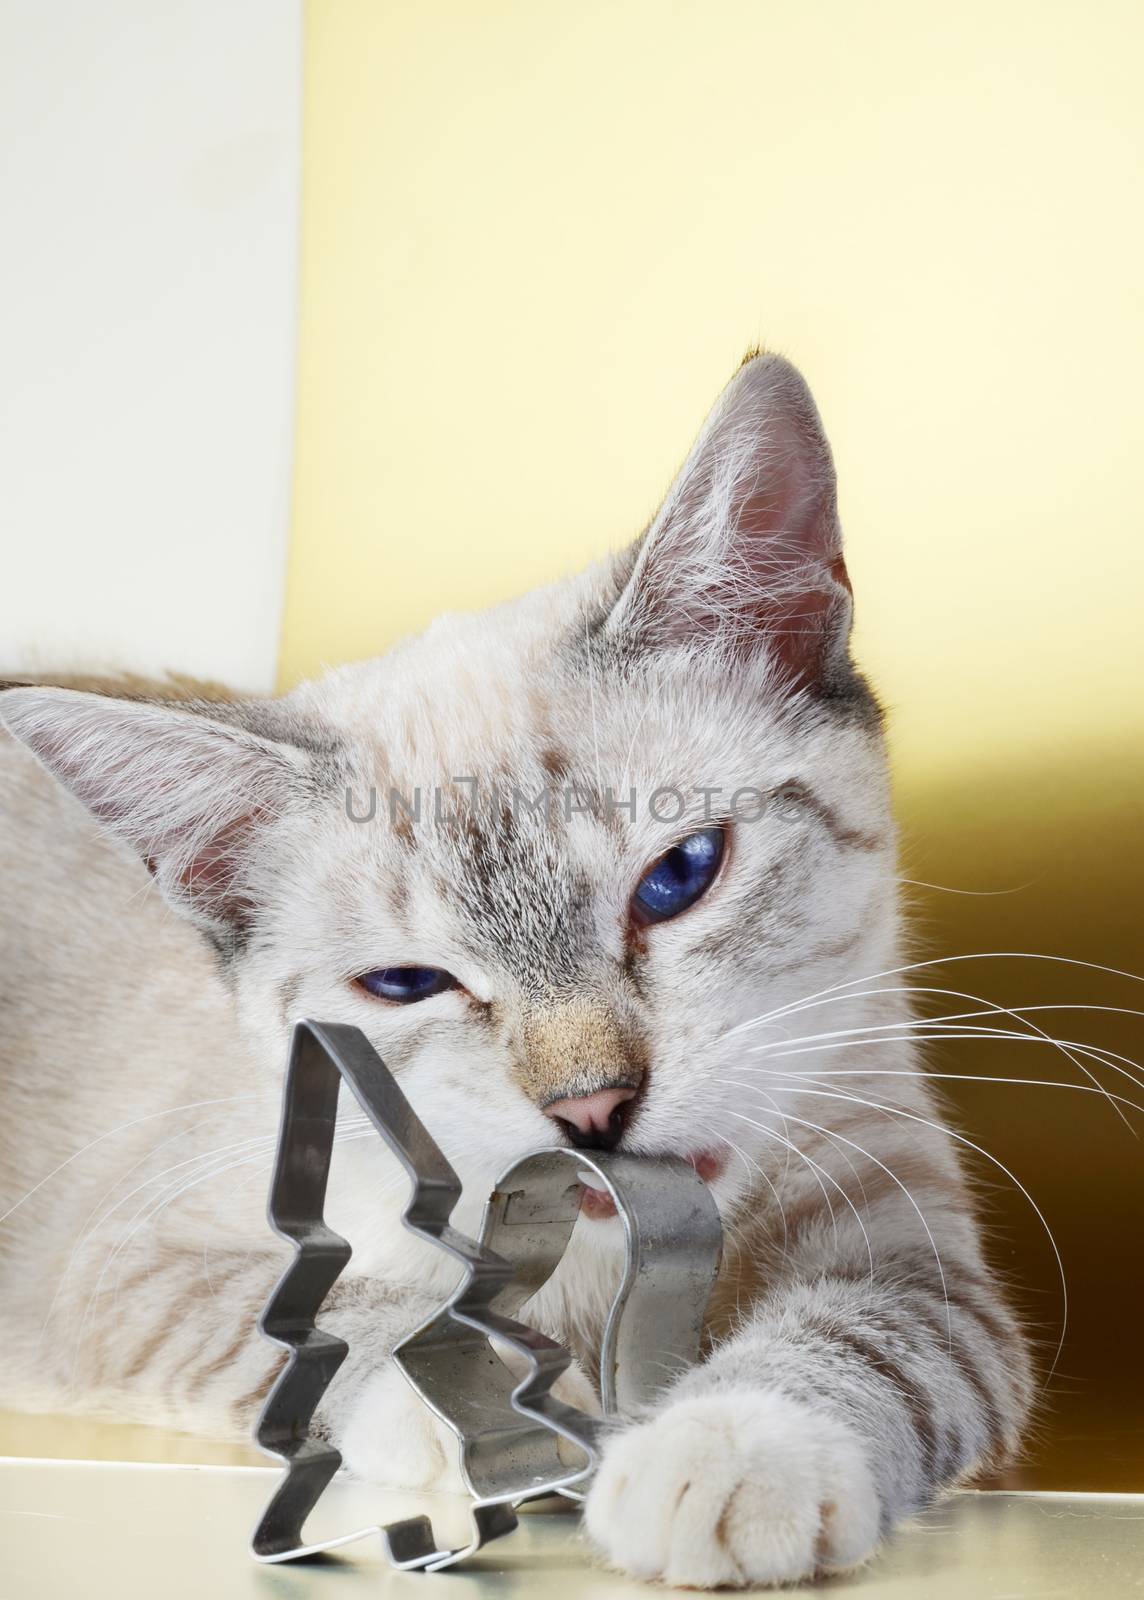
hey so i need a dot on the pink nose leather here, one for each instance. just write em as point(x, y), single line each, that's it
point(590, 1113)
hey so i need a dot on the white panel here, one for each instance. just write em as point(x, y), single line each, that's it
point(149, 179)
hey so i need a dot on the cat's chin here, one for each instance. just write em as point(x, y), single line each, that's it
point(597, 1204)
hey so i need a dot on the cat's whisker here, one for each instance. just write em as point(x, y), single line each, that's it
point(148, 1155)
point(122, 1245)
point(850, 984)
point(736, 1236)
point(183, 1185)
point(358, 1121)
point(87, 1233)
point(990, 1009)
point(814, 1003)
point(123, 1127)
point(343, 1125)
point(255, 1140)
point(976, 894)
point(753, 1166)
point(954, 1077)
point(818, 1171)
point(834, 1134)
point(853, 1169)
point(172, 1192)
point(986, 1010)
point(1100, 1054)
point(791, 1148)
point(137, 1222)
point(802, 1086)
point(940, 1035)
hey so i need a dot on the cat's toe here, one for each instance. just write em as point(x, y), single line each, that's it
point(734, 1489)
point(392, 1438)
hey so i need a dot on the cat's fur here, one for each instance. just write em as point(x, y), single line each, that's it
point(860, 1354)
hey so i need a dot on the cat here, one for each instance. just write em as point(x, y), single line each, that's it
point(612, 864)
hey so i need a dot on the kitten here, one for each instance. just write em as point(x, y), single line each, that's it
point(662, 954)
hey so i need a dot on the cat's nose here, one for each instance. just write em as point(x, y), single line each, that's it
point(593, 1121)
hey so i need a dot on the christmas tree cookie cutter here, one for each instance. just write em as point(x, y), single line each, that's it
point(509, 1427)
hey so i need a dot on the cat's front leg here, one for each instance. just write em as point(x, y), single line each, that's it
point(174, 1339)
point(209, 1370)
point(387, 1435)
point(385, 1432)
point(841, 1408)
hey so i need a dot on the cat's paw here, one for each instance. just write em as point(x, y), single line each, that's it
point(734, 1488)
point(392, 1438)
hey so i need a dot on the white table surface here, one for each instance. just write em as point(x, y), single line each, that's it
point(136, 1531)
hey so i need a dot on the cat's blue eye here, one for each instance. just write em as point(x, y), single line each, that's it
point(405, 984)
point(677, 879)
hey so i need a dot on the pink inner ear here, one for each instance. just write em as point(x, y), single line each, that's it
point(211, 877)
point(786, 534)
point(188, 794)
point(747, 549)
point(799, 629)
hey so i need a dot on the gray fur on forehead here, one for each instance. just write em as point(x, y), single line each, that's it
point(523, 897)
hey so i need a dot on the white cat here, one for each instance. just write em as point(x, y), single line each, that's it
point(664, 952)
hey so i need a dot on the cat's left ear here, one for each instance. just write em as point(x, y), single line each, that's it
point(745, 553)
point(192, 789)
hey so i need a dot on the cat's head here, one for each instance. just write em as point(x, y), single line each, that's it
point(553, 858)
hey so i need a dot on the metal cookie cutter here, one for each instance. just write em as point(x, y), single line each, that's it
point(509, 1427)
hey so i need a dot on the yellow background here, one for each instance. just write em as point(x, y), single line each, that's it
point(537, 239)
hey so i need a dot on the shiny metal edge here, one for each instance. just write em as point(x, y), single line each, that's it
point(508, 1427)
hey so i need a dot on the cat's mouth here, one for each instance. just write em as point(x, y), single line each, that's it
point(597, 1203)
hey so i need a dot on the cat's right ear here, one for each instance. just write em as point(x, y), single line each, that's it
point(745, 555)
point(187, 789)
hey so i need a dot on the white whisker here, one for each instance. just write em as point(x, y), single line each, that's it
point(123, 1127)
point(989, 1009)
point(801, 1087)
point(953, 1077)
point(941, 1035)
point(919, 966)
point(819, 1172)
